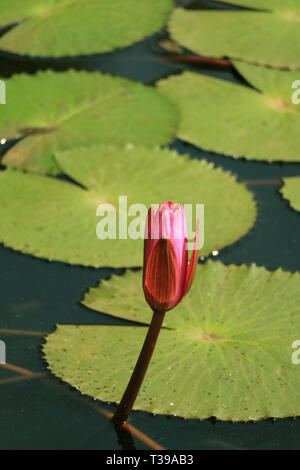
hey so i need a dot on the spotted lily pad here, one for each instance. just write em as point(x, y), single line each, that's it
point(61, 224)
point(291, 191)
point(227, 354)
point(243, 34)
point(53, 28)
point(57, 111)
point(238, 121)
point(122, 297)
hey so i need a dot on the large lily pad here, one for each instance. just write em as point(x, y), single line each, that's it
point(61, 223)
point(54, 28)
point(291, 191)
point(247, 35)
point(57, 111)
point(236, 120)
point(228, 353)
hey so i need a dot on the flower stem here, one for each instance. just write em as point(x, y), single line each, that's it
point(140, 370)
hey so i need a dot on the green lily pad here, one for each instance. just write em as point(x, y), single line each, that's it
point(291, 191)
point(61, 225)
point(122, 297)
point(235, 120)
point(57, 111)
point(228, 353)
point(245, 35)
point(53, 28)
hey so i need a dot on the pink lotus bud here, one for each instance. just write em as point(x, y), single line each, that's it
point(167, 274)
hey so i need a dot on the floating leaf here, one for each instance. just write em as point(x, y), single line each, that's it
point(53, 28)
point(122, 297)
point(291, 191)
point(228, 354)
point(235, 120)
point(61, 224)
point(57, 111)
point(246, 35)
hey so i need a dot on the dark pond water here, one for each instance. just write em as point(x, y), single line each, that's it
point(35, 295)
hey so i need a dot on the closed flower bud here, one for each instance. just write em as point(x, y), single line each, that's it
point(167, 275)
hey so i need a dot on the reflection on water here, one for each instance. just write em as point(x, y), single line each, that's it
point(125, 438)
point(26, 306)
